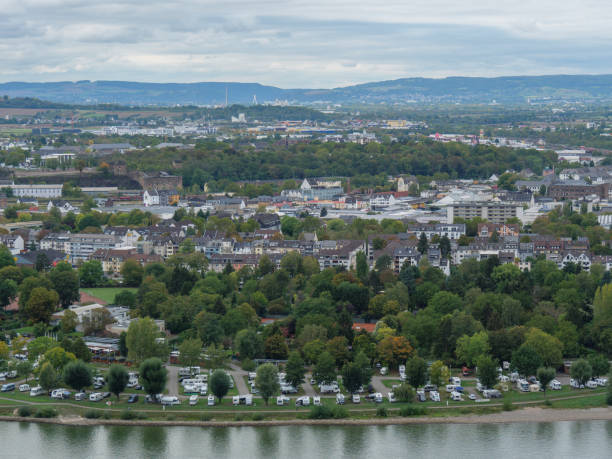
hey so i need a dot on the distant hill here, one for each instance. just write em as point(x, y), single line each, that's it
point(504, 90)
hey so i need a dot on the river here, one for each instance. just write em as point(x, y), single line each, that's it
point(571, 439)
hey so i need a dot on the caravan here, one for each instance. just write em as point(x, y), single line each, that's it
point(339, 399)
point(456, 397)
point(555, 385)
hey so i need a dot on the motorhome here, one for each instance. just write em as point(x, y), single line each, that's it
point(456, 397)
point(391, 397)
point(356, 398)
point(316, 400)
point(555, 385)
point(236, 400)
point(170, 400)
point(384, 371)
point(7, 387)
point(450, 388)
point(302, 401)
point(193, 400)
point(80, 396)
point(434, 396)
point(591, 385)
point(211, 400)
point(420, 395)
point(329, 388)
point(456, 381)
point(378, 398)
point(36, 391)
point(282, 400)
point(60, 394)
point(95, 396)
point(534, 388)
point(24, 387)
point(189, 371)
point(339, 399)
point(203, 389)
point(522, 385)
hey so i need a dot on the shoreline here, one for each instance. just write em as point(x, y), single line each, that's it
point(531, 414)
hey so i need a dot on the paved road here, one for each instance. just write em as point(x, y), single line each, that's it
point(173, 388)
point(238, 375)
point(308, 389)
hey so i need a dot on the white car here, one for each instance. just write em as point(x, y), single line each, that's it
point(356, 398)
point(472, 396)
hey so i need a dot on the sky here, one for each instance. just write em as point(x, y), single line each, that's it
point(300, 44)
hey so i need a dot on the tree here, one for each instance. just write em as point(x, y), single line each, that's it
point(609, 394)
point(394, 349)
point(69, 321)
point(487, 370)
point(4, 351)
point(153, 376)
point(132, 273)
point(581, 371)
point(338, 348)
point(545, 376)
point(600, 364)
point(526, 360)
point(423, 244)
point(189, 352)
point(77, 375)
point(438, 373)
point(141, 340)
point(59, 357)
point(416, 371)
point(404, 393)
point(602, 306)
point(41, 304)
point(97, 321)
point(276, 347)
point(294, 370)
point(8, 292)
point(219, 384)
point(383, 262)
point(6, 257)
point(470, 348)
point(266, 381)
point(248, 344)
point(351, 377)
point(47, 377)
point(361, 265)
point(24, 369)
point(118, 378)
point(91, 273)
point(66, 283)
point(325, 369)
point(126, 298)
point(548, 347)
point(445, 246)
point(363, 363)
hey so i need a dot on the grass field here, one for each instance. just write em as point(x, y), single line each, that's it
point(106, 294)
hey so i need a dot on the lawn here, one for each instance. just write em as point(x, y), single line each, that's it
point(107, 294)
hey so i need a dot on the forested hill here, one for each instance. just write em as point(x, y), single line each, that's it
point(506, 90)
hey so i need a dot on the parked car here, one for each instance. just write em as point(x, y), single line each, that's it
point(472, 396)
point(133, 398)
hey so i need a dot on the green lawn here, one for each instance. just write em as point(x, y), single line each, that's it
point(107, 294)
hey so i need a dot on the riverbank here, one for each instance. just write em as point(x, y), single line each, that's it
point(531, 414)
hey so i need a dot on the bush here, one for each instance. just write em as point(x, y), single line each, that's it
point(106, 415)
point(45, 413)
point(381, 412)
point(24, 411)
point(258, 417)
point(320, 412)
point(206, 417)
point(93, 414)
point(248, 365)
point(412, 410)
point(339, 412)
point(127, 415)
point(238, 418)
point(507, 406)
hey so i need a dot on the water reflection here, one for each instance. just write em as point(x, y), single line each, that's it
point(118, 435)
point(353, 441)
point(154, 441)
point(267, 441)
point(220, 441)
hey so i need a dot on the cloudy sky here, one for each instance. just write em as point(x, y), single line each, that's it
point(297, 43)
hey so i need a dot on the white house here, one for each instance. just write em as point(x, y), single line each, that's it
point(63, 206)
point(150, 198)
point(14, 242)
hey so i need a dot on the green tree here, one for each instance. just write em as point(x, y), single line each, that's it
point(600, 364)
point(276, 347)
point(363, 363)
point(249, 344)
point(325, 369)
point(438, 373)
point(189, 352)
point(602, 306)
point(118, 378)
point(526, 360)
point(581, 371)
point(6, 257)
point(362, 265)
point(548, 347)
point(609, 394)
point(416, 371)
point(404, 393)
point(487, 370)
point(219, 384)
point(445, 246)
point(423, 244)
point(24, 369)
point(59, 357)
point(141, 340)
point(266, 381)
point(41, 304)
point(545, 376)
point(295, 370)
point(470, 348)
point(66, 283)
point(351, 377)
point(126, 298)
point(153, 376)
point(91, 274)
point(69, 321)
point(77, 375)
point(47, 377)
point(132, 273)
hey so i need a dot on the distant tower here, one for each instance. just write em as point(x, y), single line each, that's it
point(254, 99)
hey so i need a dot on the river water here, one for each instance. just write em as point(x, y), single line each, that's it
point(572, 439)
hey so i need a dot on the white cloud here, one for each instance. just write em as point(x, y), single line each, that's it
point(299, 43)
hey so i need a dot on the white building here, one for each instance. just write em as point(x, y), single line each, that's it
point(37, 191)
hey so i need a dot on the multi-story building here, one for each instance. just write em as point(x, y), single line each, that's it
point(37, 191)
point(450, 230)
point(494, 212)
